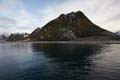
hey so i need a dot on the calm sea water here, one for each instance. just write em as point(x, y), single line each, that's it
point(36, 61)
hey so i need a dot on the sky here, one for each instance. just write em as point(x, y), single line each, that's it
point(27, 15)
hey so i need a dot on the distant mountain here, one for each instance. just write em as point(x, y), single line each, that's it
point(18, 37)
point(3, 37)
point(72, 26)
point(118, 32)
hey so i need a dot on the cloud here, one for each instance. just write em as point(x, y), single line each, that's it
point(7, 22)
point(15, 16)
point(52, 11)
point(26, 22)
point(114, 18)
point(99, 11)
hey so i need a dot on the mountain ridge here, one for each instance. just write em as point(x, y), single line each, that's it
point(71, 26)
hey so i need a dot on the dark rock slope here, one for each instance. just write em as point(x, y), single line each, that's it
point(72, 26)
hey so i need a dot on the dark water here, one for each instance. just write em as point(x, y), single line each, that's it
point(35, 61)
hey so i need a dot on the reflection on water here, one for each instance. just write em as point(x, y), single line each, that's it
point(36, 61)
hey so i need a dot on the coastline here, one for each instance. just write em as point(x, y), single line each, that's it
point(65, 42)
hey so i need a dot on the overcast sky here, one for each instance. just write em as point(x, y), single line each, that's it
point(26, 15)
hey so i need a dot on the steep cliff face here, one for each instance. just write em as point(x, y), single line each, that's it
point(72, 26)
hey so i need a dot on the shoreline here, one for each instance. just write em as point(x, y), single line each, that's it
point(66, 42)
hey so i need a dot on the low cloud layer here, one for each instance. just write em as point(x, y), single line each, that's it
point(26, 15)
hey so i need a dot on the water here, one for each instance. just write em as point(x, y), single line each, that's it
point(36, 61)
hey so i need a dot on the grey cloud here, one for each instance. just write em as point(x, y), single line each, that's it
point(114, 18)
point(7, 22)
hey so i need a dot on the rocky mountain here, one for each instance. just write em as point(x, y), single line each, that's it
point(71, 26)
point(35, 33)
point(17, 37)
point(3, 37)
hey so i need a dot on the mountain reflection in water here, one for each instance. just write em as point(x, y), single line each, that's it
point(59, 61)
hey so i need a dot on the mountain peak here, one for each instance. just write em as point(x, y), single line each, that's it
point(72, 15)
